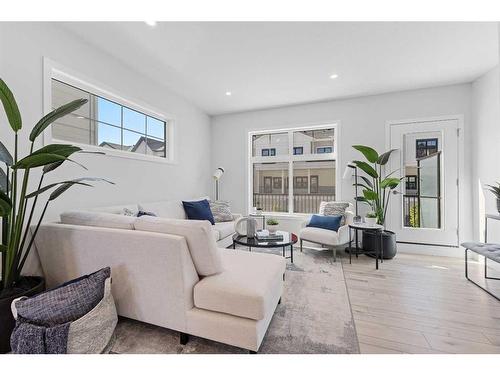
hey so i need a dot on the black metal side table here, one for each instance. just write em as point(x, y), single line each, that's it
point(379, 253)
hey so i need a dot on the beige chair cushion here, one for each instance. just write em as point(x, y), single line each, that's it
point(98, 219)
point(199, 237)
point(319, 235)
point(249, 286)
point(225, 229)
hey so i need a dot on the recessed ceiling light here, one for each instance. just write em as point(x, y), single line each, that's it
point(150, 23)
point(228, 93)
point(333, 76)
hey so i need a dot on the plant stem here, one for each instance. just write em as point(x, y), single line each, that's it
point(32, 239)
point(26, 230)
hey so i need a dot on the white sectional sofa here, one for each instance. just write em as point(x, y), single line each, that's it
point(168, 272)
point(173, 209)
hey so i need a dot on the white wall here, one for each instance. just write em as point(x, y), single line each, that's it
point(23, 47)
point(362, 121)
point(486, 149)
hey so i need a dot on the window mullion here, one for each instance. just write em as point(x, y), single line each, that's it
point(290, 172)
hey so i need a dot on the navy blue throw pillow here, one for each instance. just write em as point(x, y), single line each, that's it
point(199, 210)
point(330, 222)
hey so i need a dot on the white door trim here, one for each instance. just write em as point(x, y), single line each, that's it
point(461, 166)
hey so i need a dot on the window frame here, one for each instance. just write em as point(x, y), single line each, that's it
point(53, 70)
point(290, 159)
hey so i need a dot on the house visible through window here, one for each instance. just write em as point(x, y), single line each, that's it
point(426, 147)
point(105, 123)
point(323, 150)
point(268, 152)
point(303, 159)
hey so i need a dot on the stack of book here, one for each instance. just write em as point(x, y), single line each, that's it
point(264, 235)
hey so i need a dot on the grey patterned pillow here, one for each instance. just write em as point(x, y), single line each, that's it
point(221, 211)
point(67, 302)
point(333, 208)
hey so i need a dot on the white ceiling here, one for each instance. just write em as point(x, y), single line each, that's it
point(274, 64)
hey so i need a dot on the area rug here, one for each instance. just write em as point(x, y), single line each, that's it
point(314, 317)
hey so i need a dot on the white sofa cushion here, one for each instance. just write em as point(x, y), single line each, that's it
point(319, 235)
point(98, 219)
point(224, 229)
point(216, 233)
point(116, 209)
point(249, 286)
point(165, 209)
point(199, 237)
point(172, 209)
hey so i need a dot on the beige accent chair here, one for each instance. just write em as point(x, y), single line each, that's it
point(329, 239)
point(168, 272)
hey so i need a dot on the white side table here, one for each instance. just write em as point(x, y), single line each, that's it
point(363, 226)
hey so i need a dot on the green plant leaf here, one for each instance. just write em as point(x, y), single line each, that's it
point(50, 167)
point(77, 181)
point(54, 115)
point(5, 155)
point(391, 183)
point(4, 186)
point(367, 168)
point(370, 154)
point(362, 185)
point(58, 149)
point(367, 181)
point(62, 188)
point(37, 160)
point(370, 195)
point(384, 158)
point(10, 106)
point(5, 204)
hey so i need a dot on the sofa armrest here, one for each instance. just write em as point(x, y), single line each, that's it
point(304, 223)
point(349, 217)
point(343, 233)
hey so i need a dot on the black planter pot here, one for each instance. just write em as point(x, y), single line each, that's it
point(27, 286)
point(371, 241)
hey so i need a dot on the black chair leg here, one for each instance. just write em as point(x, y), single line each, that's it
point(183, 338)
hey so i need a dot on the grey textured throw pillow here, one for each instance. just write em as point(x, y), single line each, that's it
point(67, 302)
point(334, 208)
point(221, 211)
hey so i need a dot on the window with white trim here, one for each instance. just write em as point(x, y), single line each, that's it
point(107, 124)
point(303, 158)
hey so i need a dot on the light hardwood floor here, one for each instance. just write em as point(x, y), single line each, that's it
point(422, 304)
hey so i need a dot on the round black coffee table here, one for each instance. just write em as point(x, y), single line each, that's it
point(289, 239)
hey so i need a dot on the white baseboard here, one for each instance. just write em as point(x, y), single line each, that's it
point(457, 252)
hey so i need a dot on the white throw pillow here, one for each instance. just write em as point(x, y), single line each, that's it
point(198, 235)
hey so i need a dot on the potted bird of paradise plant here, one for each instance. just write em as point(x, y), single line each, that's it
point(377, 188)
point(18, 206)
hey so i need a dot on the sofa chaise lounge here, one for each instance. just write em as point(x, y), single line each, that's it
point(168, 272)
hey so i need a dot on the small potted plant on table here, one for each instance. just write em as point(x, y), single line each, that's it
point(371, 218)
point(272, 225)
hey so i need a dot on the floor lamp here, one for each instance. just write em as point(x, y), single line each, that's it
point(217, 176)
